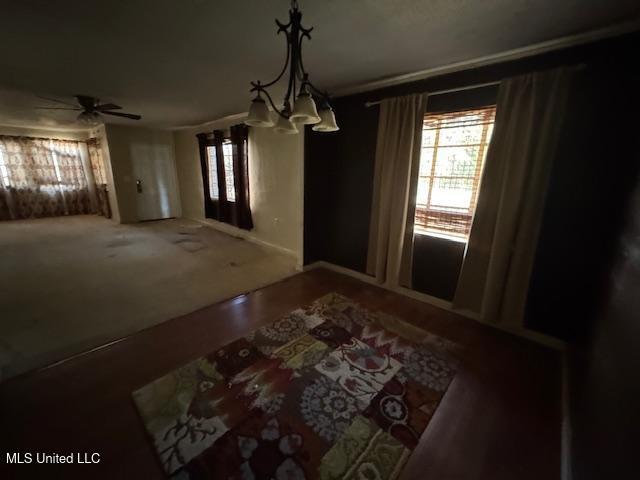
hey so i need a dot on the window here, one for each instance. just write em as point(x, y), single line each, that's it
point(42, 177)
point(225, 175)
point(212, 166)
point(4, 171)
point(454, 146)
point(227, 151)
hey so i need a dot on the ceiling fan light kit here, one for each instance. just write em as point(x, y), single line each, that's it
point(304, 110)
point(89, 118)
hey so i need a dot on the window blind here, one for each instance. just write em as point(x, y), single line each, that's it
point(454, 146)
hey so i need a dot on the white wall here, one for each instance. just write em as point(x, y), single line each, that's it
point(275, 185)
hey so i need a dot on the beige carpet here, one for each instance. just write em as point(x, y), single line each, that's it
point(70, 284)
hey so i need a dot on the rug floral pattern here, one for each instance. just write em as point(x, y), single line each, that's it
point(329, 391)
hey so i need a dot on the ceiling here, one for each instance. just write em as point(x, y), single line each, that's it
point(185, 62)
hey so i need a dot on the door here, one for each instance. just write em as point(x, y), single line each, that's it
point(156, 183)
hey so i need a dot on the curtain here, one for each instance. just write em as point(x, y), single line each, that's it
point(224, 163)
point(495, 275)
point(99, 174)
point(41, 178)
point(397, 163)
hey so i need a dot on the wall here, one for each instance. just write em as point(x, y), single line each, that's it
point(603, 368)
point(589, 184)
point(275, 184)
point(338, 187)
point(339, 173)
point(100, 134)
point(436, 265)
point(123, 141)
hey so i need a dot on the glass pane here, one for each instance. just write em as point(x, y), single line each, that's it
point(461, 135)
point(423, 191)
point(4, 171)
point(425, 162)
point(452, 194)
point(227, 149)
point(428, 138)
point(445, 193)
point(214, 194)
point(456, 161)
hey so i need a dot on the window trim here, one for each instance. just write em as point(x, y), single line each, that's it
point(482, 146)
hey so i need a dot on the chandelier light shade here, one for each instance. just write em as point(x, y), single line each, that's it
point(286, 126)
point(327, 121)
point(259, 115)
point(304, 104)
point(304, 110)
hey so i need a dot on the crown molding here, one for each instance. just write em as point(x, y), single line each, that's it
point(515, 54)
point(223, 122)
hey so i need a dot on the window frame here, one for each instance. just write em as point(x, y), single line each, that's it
point(233, 209)
point(210, 151)
point(426, 209)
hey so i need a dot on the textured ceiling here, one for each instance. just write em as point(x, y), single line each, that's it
point(185, 62)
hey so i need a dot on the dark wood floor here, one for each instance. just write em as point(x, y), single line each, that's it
point(500, 418)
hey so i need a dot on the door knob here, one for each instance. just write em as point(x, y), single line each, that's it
point(139, 185)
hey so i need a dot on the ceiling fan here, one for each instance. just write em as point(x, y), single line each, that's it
point(90, 109)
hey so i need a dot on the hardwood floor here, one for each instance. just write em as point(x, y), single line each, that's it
point(500, 418)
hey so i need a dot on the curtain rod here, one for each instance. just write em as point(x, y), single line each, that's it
point(442, 92)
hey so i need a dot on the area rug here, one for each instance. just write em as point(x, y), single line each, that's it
point(329, 391)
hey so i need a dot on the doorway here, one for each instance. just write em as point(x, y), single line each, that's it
point(156, 181)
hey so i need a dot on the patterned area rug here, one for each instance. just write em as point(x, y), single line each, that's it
point(329, 391)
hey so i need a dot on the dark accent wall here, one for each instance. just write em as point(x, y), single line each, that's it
point(586, 280)
point(593, 174)
point(604, 369)
point(338, 175)
point(586, 285)
point(436, 265)
point(339, 179)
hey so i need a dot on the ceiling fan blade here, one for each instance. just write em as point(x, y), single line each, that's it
point(107, 106)
point(77, 109)
point(125, 115)
point(57, 101)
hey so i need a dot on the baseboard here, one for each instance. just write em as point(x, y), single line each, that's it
point(246, 235)
point(438, 302)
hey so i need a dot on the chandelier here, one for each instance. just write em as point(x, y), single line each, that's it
point(304, 110)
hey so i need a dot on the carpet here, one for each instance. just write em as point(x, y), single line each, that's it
point(70, 284)
point(329, 391)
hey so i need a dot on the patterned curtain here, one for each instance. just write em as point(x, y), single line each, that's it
point(99, 176)
point(41, 177)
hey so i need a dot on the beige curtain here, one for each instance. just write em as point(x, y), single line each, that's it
point(495, 274)
point(394, 189)
point(41, 177)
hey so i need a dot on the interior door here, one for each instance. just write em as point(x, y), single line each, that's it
point(156, 182)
